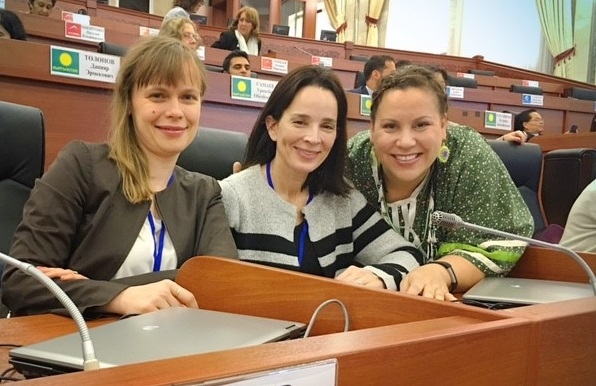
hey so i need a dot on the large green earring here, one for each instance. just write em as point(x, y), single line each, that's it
point(443, 154)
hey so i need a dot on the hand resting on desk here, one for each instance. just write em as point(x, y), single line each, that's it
point(136, 299)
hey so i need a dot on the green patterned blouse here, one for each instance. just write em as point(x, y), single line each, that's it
point(473, 183)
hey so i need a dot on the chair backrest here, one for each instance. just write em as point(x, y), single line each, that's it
point(482, 72)
point(111, 49)
point(213, 152)
point(566, 173)
point(580, 93)
point(524, 163)
point(525, 89)
point(460, 81)
point(22, 157)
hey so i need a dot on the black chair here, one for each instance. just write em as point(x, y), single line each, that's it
point(580, 93)
point(460, 81)
point(111, 49)
point(482, 72)
point(525, 89)
point(213, 152)
point(524, 163)
point(22, 157)
point(566, 173)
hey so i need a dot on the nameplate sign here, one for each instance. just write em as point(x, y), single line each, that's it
point(146, 31)
point(76, 18)
point(497, 120)
point(465, 75)
point(532, 100)
point(274, 65)
point(2, 4)
point(455, 92)
point(251, 89)
point(201, 52)
point(83, 64)
point(321, 61)
point(88, 33)
point(322, 373)
point(531, 83)
point(365, 104)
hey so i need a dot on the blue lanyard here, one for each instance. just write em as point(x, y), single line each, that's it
point(158, 244)
point(304, 231)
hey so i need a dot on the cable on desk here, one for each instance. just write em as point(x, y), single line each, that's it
point(318, 310)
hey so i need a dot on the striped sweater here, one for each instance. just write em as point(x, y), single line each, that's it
point(343, 231)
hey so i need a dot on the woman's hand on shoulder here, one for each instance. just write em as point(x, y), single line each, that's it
point(150, 297)
point(430, 280)
point(360, 276)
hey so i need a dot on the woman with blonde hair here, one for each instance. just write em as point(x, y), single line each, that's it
point(243, 34)
point(112, 222)
point(182, 29)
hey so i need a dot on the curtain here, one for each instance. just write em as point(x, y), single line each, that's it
point(372, 19)
point(557, 28)
point(336, 9)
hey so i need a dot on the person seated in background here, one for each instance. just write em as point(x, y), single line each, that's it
point(402, 63)
point(580, 230)
point(237, 63)
point(112, 222)
point(291, 206)
point(529, 122)
point(41, 7)
point(412, 162)
point(243, 34)
point(11, 26)
point(375, 69)
point(182, 29)
point(182, 8)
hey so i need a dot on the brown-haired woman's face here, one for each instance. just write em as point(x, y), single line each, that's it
point(306, 131)
point(407, 133)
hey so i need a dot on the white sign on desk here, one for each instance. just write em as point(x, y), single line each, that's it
point(2, 4)
point(90, 33)
point(532, 100)
point(323, 373)
point(80, 64)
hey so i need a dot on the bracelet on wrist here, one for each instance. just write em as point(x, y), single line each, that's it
point(450, 271)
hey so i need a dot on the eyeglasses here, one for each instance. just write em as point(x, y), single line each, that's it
point(189, 35)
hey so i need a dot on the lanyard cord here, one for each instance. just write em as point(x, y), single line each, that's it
point(304, 230)
point(158, 244)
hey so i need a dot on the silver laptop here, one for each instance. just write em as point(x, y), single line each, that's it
point(168, 333)
point(517, 291)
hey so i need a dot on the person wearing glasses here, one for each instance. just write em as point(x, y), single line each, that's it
point(182, 29)
point(529, 122)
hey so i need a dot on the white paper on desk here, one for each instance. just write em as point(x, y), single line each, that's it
point(322, 373)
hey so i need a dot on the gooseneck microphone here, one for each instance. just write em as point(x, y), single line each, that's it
point(453, 221)
point(89, 360)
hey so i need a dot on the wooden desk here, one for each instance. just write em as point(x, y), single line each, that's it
point(393, 336)
point(566, 141)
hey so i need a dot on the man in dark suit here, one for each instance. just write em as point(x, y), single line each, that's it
point(375, 69)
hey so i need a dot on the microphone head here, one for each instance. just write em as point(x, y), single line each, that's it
point(446, 220)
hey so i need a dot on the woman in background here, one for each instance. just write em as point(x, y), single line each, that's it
point(11, 26)
point(112, 222)
point(182, 29)
point(243, 34)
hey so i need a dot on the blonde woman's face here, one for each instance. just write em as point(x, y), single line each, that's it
point(166, 118)
point(245, 26)
point(189, 36)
